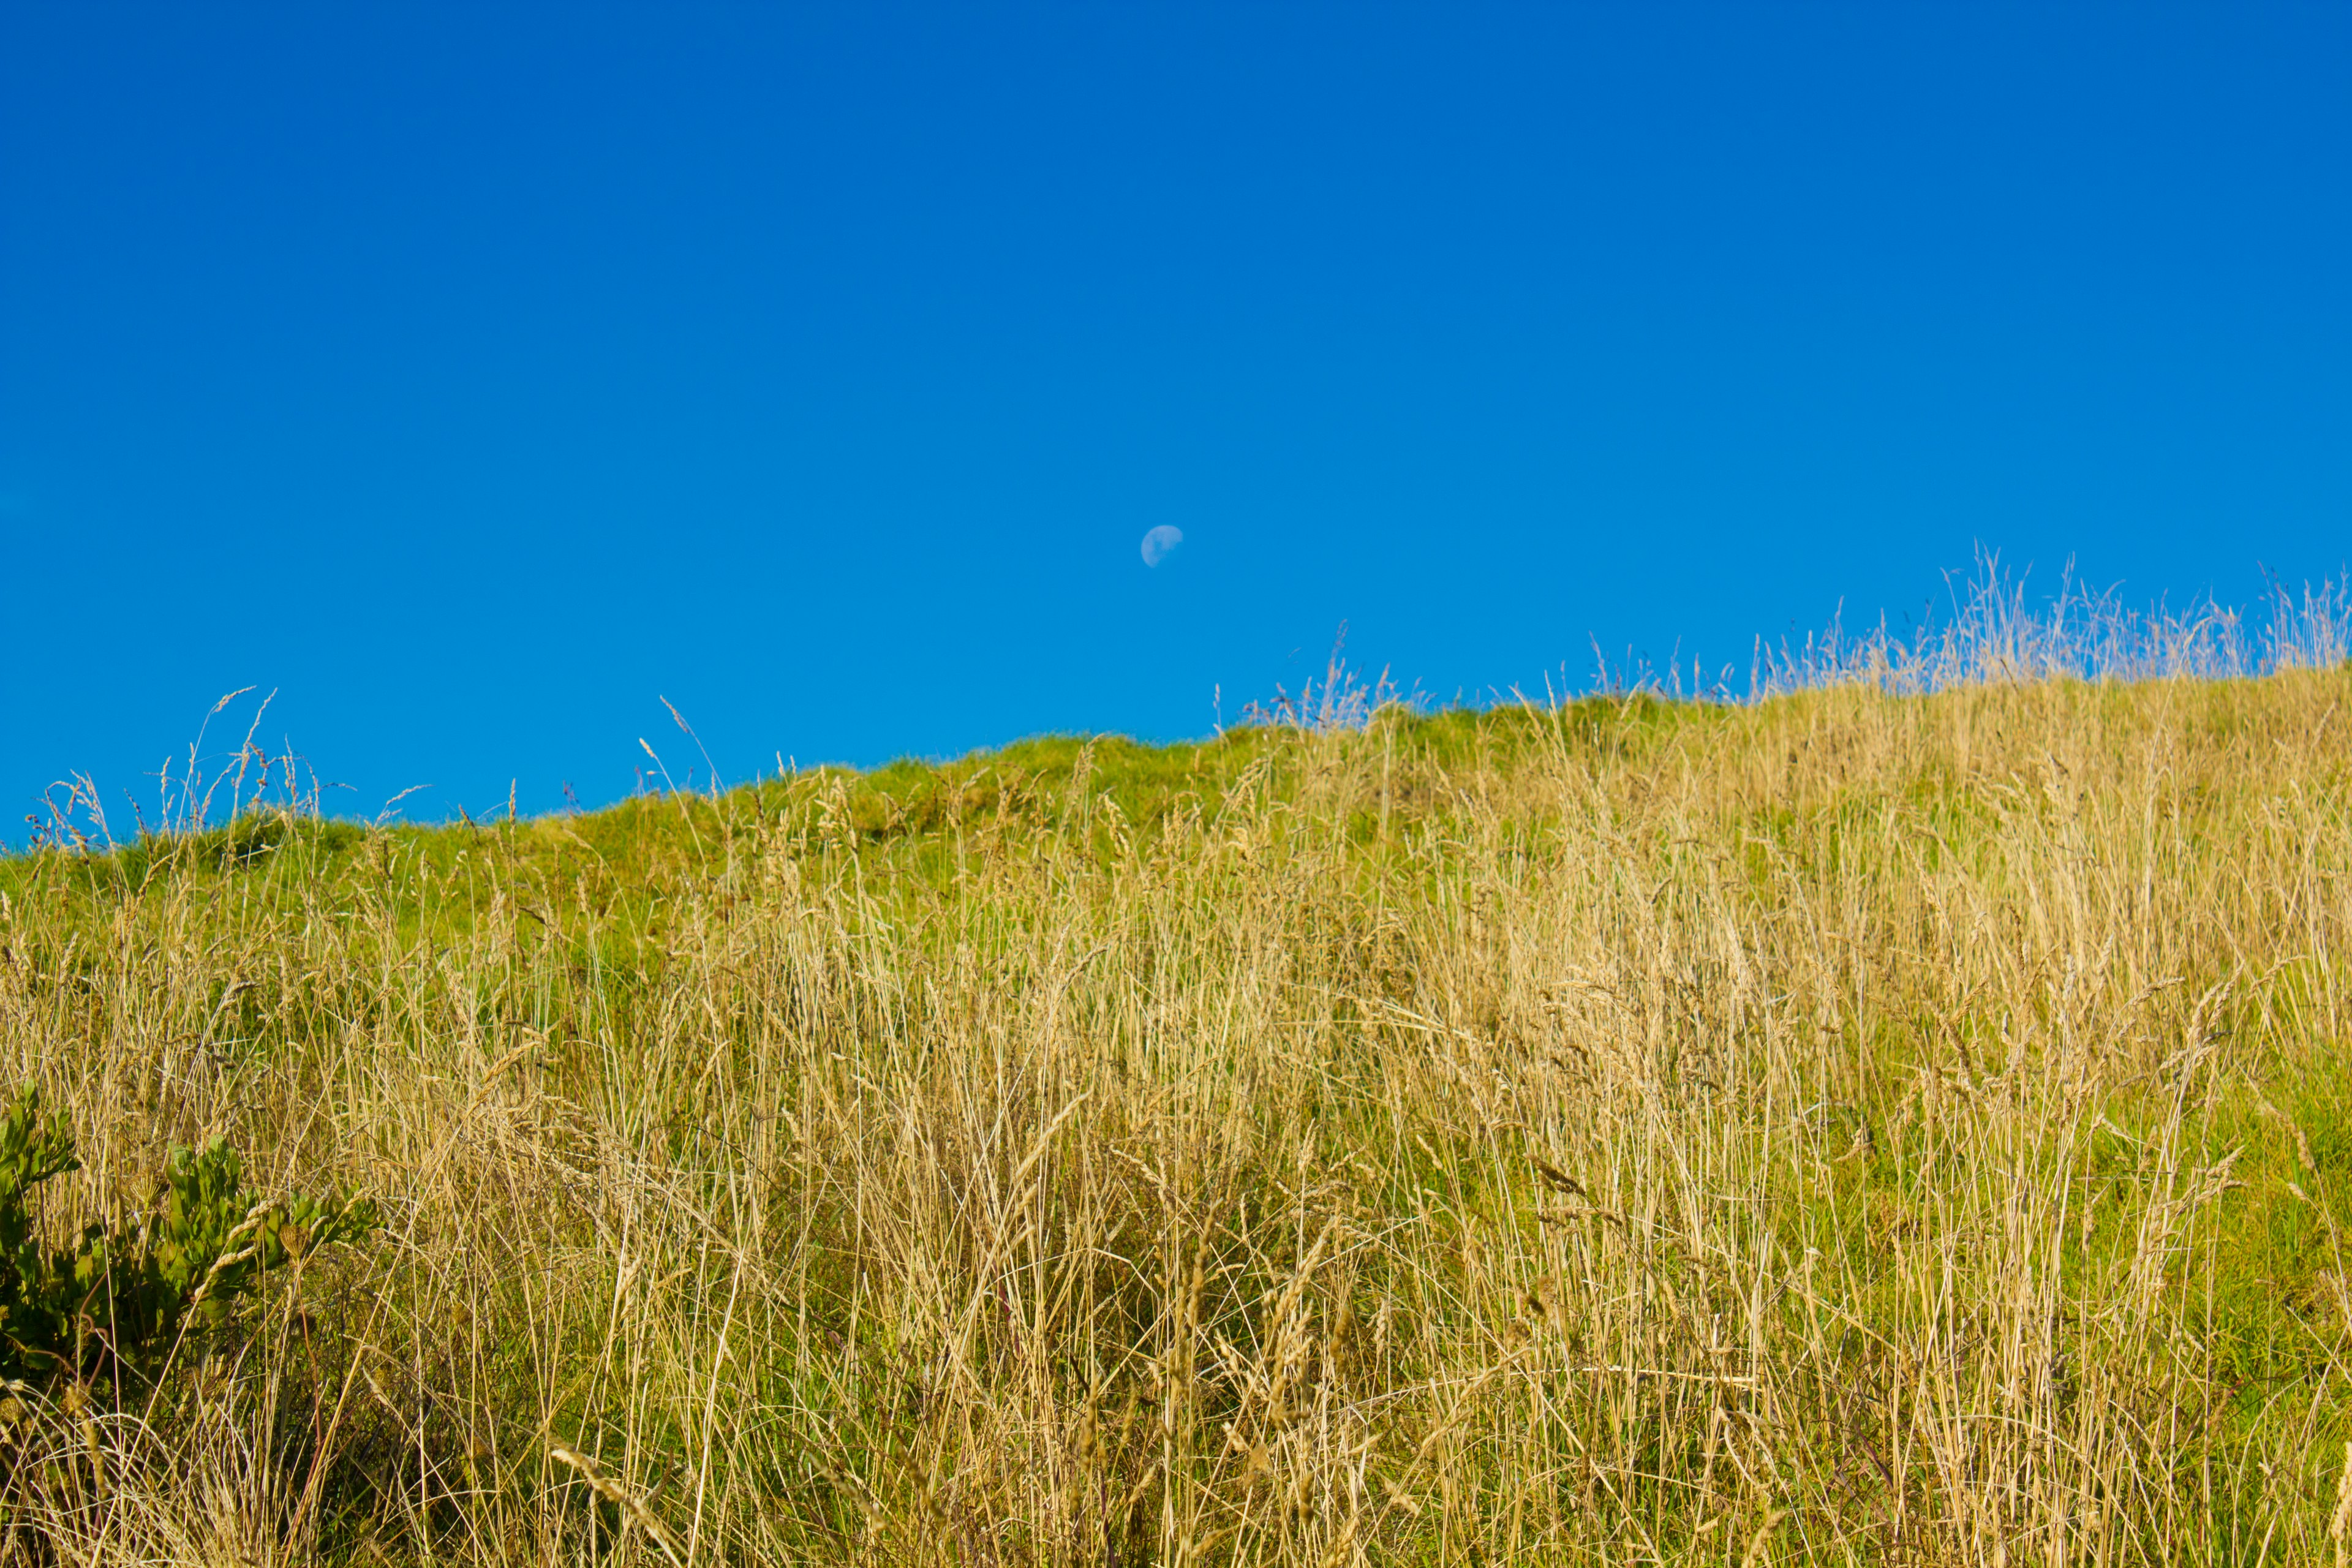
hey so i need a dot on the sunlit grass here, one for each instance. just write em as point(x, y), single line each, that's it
point(1847, 1127)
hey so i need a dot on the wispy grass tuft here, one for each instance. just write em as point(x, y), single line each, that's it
point(1995, 636)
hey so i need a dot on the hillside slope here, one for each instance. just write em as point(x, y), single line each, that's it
point(1845, 1128)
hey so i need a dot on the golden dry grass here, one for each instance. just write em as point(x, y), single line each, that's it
point(1847, 1128)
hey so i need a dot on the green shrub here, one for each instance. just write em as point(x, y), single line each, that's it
point(128, 1293)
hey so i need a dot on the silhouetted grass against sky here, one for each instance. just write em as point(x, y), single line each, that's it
point(473, 381)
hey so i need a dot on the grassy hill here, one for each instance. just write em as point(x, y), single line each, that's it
point(1844, 1128)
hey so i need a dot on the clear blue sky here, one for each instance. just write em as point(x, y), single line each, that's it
point(474, 375)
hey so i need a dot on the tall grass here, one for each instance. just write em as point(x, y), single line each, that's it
point(1850, 1126)
point(1996, 634)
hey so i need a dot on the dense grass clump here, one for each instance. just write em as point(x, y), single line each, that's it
point(1850, 1128)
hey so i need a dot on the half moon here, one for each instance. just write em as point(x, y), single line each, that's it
point(1160, 543)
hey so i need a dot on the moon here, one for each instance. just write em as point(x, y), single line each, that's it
point(1160, 543)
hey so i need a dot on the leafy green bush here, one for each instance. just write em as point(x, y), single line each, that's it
point(127, 1294)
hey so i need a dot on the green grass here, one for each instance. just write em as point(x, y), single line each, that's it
point(1845, 1129)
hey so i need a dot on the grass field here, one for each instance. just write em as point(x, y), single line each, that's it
point(1846, 1128)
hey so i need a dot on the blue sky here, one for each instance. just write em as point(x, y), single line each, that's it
point(475, 376)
